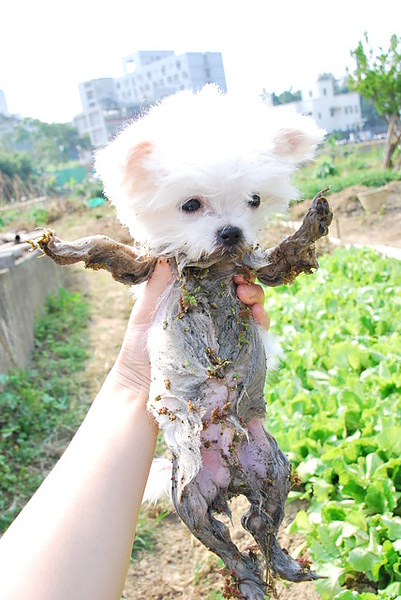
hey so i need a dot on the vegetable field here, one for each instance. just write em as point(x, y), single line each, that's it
point(335, 409)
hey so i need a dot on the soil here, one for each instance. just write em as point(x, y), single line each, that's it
point(177, 566)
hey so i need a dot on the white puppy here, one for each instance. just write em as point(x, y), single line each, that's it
point(195, 180)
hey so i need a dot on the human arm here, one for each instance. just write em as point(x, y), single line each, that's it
point(73, 539)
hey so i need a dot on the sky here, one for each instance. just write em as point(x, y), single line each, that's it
point(48, 47)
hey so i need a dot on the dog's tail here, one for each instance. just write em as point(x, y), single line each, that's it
point(159, 481)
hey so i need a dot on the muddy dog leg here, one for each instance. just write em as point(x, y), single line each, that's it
point(197, 514)
point(98, 252)
point(296, 253)
point(267, 478)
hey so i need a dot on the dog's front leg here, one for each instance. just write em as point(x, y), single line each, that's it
point(296, 253)
point(98, 252)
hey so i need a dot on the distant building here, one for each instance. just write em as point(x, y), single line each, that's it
point(101, 110)
point(3, 104)
point(148, 77)
point(332, 111)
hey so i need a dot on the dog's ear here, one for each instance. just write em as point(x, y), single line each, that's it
point(296, 140)
point(135, 171)
point(121, 165)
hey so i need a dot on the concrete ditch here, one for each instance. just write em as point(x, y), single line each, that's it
point(26, 280)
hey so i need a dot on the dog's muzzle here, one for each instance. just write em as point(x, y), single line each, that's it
point(229, 236)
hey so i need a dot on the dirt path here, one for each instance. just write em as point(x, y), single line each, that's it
point(110, 301)
point(178, 566)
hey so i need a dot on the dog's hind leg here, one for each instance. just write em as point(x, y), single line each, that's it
point(267, 479)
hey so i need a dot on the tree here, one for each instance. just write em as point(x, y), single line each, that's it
point(48, 143)
point(378, 78)
point(17, 175)
point(286, 96)
point(371, 118)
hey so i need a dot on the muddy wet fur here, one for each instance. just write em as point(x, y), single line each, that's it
point(208, 372)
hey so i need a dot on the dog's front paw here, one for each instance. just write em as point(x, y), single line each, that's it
point(318, 217)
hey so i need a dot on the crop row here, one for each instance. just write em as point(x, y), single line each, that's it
point(335, 408)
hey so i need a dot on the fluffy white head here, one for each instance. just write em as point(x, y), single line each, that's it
point(198, 175)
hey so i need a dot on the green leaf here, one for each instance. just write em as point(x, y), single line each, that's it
point(308, 468)
point(393, 525)
point(300, 523)
point(361, 559)
point(373, 462)
point(346, 595)
point(390, 440)
point(328, 588)
point(380, 496)
point(392, 591)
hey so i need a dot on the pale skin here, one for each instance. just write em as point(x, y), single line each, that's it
point(73, 539)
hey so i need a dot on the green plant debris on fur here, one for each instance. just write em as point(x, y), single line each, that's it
point(41, 408)
point(335, 409)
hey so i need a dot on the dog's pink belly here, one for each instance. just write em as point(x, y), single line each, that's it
point(253, 461)
point(215, 472)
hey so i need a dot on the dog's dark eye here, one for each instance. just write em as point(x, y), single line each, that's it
point(191, 205)
point(254, 202)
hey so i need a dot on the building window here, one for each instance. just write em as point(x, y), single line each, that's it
point(89, 95)
point(178, 64)
point(310, 94)
point(324, 92)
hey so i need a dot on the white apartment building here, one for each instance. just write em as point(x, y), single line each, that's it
point(100, 110)
point(148, 77)
point(331, 111)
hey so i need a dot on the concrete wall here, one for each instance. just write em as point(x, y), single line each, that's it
point(24, 287)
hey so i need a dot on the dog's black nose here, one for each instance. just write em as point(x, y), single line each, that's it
point(229, 236)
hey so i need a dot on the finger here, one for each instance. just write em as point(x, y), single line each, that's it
point(241, 279)
point(250, 293)
point(261, 316)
